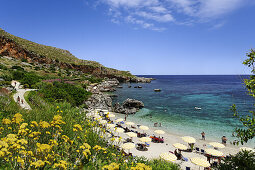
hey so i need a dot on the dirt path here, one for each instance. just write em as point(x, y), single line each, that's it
point(19, 96)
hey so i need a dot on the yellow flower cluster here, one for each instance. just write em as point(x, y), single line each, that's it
point(112, 166)
point(141, 166)
point(77, 127)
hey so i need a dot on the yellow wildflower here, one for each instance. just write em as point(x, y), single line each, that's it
point(43, 147)
point(17, 118)
point(47, 132)
point(65, 138)
point(3, 144)
point(77, 127)
point(61, 164)
point(20, 160)
point(22, 141)
point(141, 166)
point(6, 121)
point(86, 153)
point(34, 124)
point(112, 166)
point(38, 164)
point(44, 124)
point(23, 125)
point(2, 154)
point(34, 134)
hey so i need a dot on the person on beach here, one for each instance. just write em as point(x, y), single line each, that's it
point(18, 99)
point(224, 140)
point(203, 135)
point(22, 101)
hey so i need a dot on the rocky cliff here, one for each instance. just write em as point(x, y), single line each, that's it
point(19, 48)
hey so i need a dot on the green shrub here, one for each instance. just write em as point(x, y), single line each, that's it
point(24, 60)
point(3, 67)
point(7, 77)
point(244, 160)
point(17, 75)
point(30, 78)
point(59, 91)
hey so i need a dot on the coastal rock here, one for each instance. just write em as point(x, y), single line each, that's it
point(132, 103)
point(129, 106)
point(100, 100)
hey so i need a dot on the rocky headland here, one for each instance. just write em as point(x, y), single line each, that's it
point(101, 99)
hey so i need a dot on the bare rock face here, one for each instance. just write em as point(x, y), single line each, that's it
point(129, 106)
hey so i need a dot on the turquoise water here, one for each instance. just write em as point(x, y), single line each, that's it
point(174, 105)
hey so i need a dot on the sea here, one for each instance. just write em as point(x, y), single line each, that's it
point(174, 106)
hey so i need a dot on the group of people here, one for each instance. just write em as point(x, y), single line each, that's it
point(20, 100)
point(223, 139)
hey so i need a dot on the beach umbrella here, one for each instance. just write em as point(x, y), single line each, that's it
point(160, 132)
point(119, 130)
point(145, 139)
point(130, 123)
point(189, 139)
point(180, 146)
point(110, 125)
point(119, 120)
point(131, 134)
point(246, 149)
point(217, 145)
point(168, 157)
point(200, 162)
point(111, 115)
point(144, 127)
point(213, 152)
point(103, 121)
point(128, 146)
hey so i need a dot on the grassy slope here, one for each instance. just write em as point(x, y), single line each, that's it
point(55, 53)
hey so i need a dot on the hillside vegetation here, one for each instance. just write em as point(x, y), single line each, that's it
point(58, 55)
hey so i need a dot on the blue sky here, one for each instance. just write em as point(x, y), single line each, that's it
point(142, 36)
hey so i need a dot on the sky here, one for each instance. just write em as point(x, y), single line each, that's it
point(145, 37)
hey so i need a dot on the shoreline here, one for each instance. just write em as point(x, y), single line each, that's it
point(155, 149)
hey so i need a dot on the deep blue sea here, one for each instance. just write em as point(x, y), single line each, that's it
point(173, 107)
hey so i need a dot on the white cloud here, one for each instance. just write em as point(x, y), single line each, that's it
point(151, 13)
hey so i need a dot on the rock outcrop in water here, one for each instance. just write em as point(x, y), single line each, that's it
point(129, 106)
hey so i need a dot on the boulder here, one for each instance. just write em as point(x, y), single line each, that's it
point(129, 106)
point(130, 103)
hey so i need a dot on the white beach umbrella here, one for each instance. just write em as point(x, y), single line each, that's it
point(110, 125)
point(119, 120)
point(214, 152)
point(130, 123)
point(160, 132)
point(189, 139)
point(246, 149)
point(128, 146)
point(131, 134)
point(111, 115)
point(103, 122)
point(145, 139)
point(119, 130)
point(180, 146)
point(168, 157)
point(144, 127)
point(200, 162)
point(217, 145)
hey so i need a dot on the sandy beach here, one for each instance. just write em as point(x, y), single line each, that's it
point(155, 149)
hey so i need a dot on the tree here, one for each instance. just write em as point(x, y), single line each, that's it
point(243, 160)
point(248, 131)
